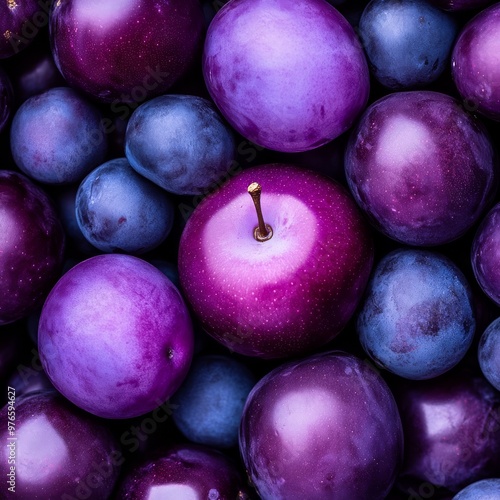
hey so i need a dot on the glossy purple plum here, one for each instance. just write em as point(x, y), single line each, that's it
point(185, 472)
point(485, 254)
point(57, 138)
point(31, 246)
point(289, 76)
point(115, 336)
point(452, 431)
point(421, 167)
point(291, 293)
point(125, 50)
point(5, 99)
point(59, 451)
point(20, 22)
point(476, 63)
point(321, 428)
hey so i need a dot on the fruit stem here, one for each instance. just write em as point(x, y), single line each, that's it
point(263, 231)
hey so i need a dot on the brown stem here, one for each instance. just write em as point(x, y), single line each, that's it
point(263, 231)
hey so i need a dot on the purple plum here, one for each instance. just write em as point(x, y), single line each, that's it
point(5, 99)
point(485, 254)
point(476, 62)
point(487, 489)
point(289, 76)
point(452, 431)
point(31, 246)
point(58, 451)
point(421, 167)
point(125, 50)
point(20, 22)
point(291, 293)
point(115, 336)
point(488, 353)
point(185, 472)
point(321, 428)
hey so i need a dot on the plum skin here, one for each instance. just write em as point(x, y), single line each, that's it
point(31, 246)
point(323, 427)
point(115, 336)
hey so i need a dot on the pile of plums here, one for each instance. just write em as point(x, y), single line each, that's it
point(250, 249)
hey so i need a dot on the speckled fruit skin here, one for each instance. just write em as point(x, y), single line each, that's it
point(115, 336)
point(487, 489)
point(125, 50)
point(289, 294)
point(321, 428)
point(289, 76)
point(476, 62)
point(485, 254)
point(417, 319)
point(420, 167)
point(57, 138)
point(31, 246)
point(452, 431)
point(185, 471)
point(17, 26)
point(489, 353)
point(5, 99)
point(60, 451)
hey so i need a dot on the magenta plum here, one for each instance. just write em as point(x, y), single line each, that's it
point(289, 76)
point(451, 429)
point(476, 65)
point(291, 293)
point(421, 167)
point(125, 50)
point(115, 336)
point(485, 254)
point(31, 246)
point(59, 451)
point(321, 428)
point(184, 472)
point(17, 25)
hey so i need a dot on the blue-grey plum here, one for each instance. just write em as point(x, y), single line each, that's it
point(487, 489)
point(180, 143)
point(211, 399)
point(119, 210)
point(417, 319)
point(5, 99)
point(489, 353)
point(57, 137)
point(407, 42)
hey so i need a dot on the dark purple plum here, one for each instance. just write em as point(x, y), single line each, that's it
point(210, 401)
point(485, 254)
point(27, 380)
point(407, 42)
point(184, 472)
point(475, 64)
point(115, 336)
point(487, 489)
point(34, 72)
point(321, 428)
point(60, 452)
point(56, 137)
point(489, 353)
point(20, 22)
point(5, 99)
point(417, 319)
point(180, 143)
point(31, 246)
point(125, 50)
point(289, 76)
point(117, 210)
point(421, 167)
point(451, 429)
